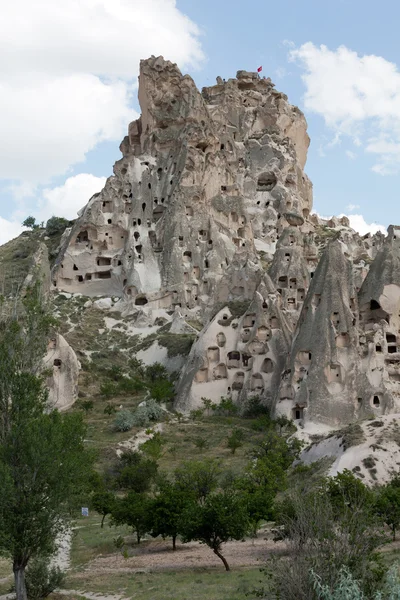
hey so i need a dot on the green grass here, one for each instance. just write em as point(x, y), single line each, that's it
point(101, 435)
point(16, 260)
point(90, 540)
point(180, 442)
point(196, 584)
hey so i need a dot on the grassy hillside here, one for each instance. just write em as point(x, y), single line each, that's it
point(16, 256)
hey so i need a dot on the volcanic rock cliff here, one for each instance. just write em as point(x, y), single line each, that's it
point(207, 220)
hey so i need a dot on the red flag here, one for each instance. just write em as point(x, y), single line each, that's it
point(259, 69)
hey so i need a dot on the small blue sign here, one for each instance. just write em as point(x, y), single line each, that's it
point(85, 512)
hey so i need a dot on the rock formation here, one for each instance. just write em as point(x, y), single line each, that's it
point(63, 364)
point(208, 219)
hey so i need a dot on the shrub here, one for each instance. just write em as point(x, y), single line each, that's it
point(235, 440)
point(41, 579)
point(108, 389)
point(29, 222)
point(147, 412)
point(133, 471)
point(196, 414)
point(226, 407)
point(153, 447)
point(201, 443)
point(124, 421)
point(254, 408)
point(86, 405)
point(56, 225)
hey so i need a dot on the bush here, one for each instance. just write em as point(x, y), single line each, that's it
point(124, 421)
point(147, 412)
point(134, 471)
point(56, 225)
point(254, 408)
point(41, 580)
point(226, 407)
point(154, 446)
point(108, 389)
point(85, 405)
point(235, 440)
point(348, 588)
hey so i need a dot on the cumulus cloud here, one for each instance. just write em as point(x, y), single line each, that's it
point(67, 199)
point(358, 223)
point(9, 229)
point(358, 96)
point(352, 207)
point(61, 201)
point(68, 73)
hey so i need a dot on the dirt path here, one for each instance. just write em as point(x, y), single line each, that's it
point(62, 556)
point(89, 595)
point(157, 555)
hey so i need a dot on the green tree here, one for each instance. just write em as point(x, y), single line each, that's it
point(86, 405)
point(110, 409)
point(222, 517)
point(133, 510)
point(166, 511)
point(29, 222)
point(345, 490)
point(270, 462)
point(198, 478)
point(235, 440)
point(134, 472)
point(42, 456)
point(207, 403)
point(153, 447)
point(56, 225)
point(387, 504)
point(201, 443)
point(324, 534)
point(162, 390)
point(103, 503)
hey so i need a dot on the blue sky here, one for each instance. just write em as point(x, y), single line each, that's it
point(69, 96)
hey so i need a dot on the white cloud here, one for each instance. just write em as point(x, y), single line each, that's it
point(67, 117)
point(351, 155)
point(61, 201)
point(358, 223)
point(9, 230)
point(358, 96)
point(68, 72)
point(67, 199)
point(351, 207)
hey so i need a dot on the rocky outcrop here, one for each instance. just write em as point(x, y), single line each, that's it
point(207, 220)
point(62, 366)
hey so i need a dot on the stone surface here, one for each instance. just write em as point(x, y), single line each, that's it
point(62, 383)
point(207, 225)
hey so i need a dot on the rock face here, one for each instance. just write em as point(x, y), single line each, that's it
point(208, 217)
point(62, 384)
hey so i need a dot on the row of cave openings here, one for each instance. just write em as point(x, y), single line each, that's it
point(112, 239)
point(101, 261)
point(220, 371)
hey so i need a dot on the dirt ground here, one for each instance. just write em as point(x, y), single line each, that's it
point(158, 555)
